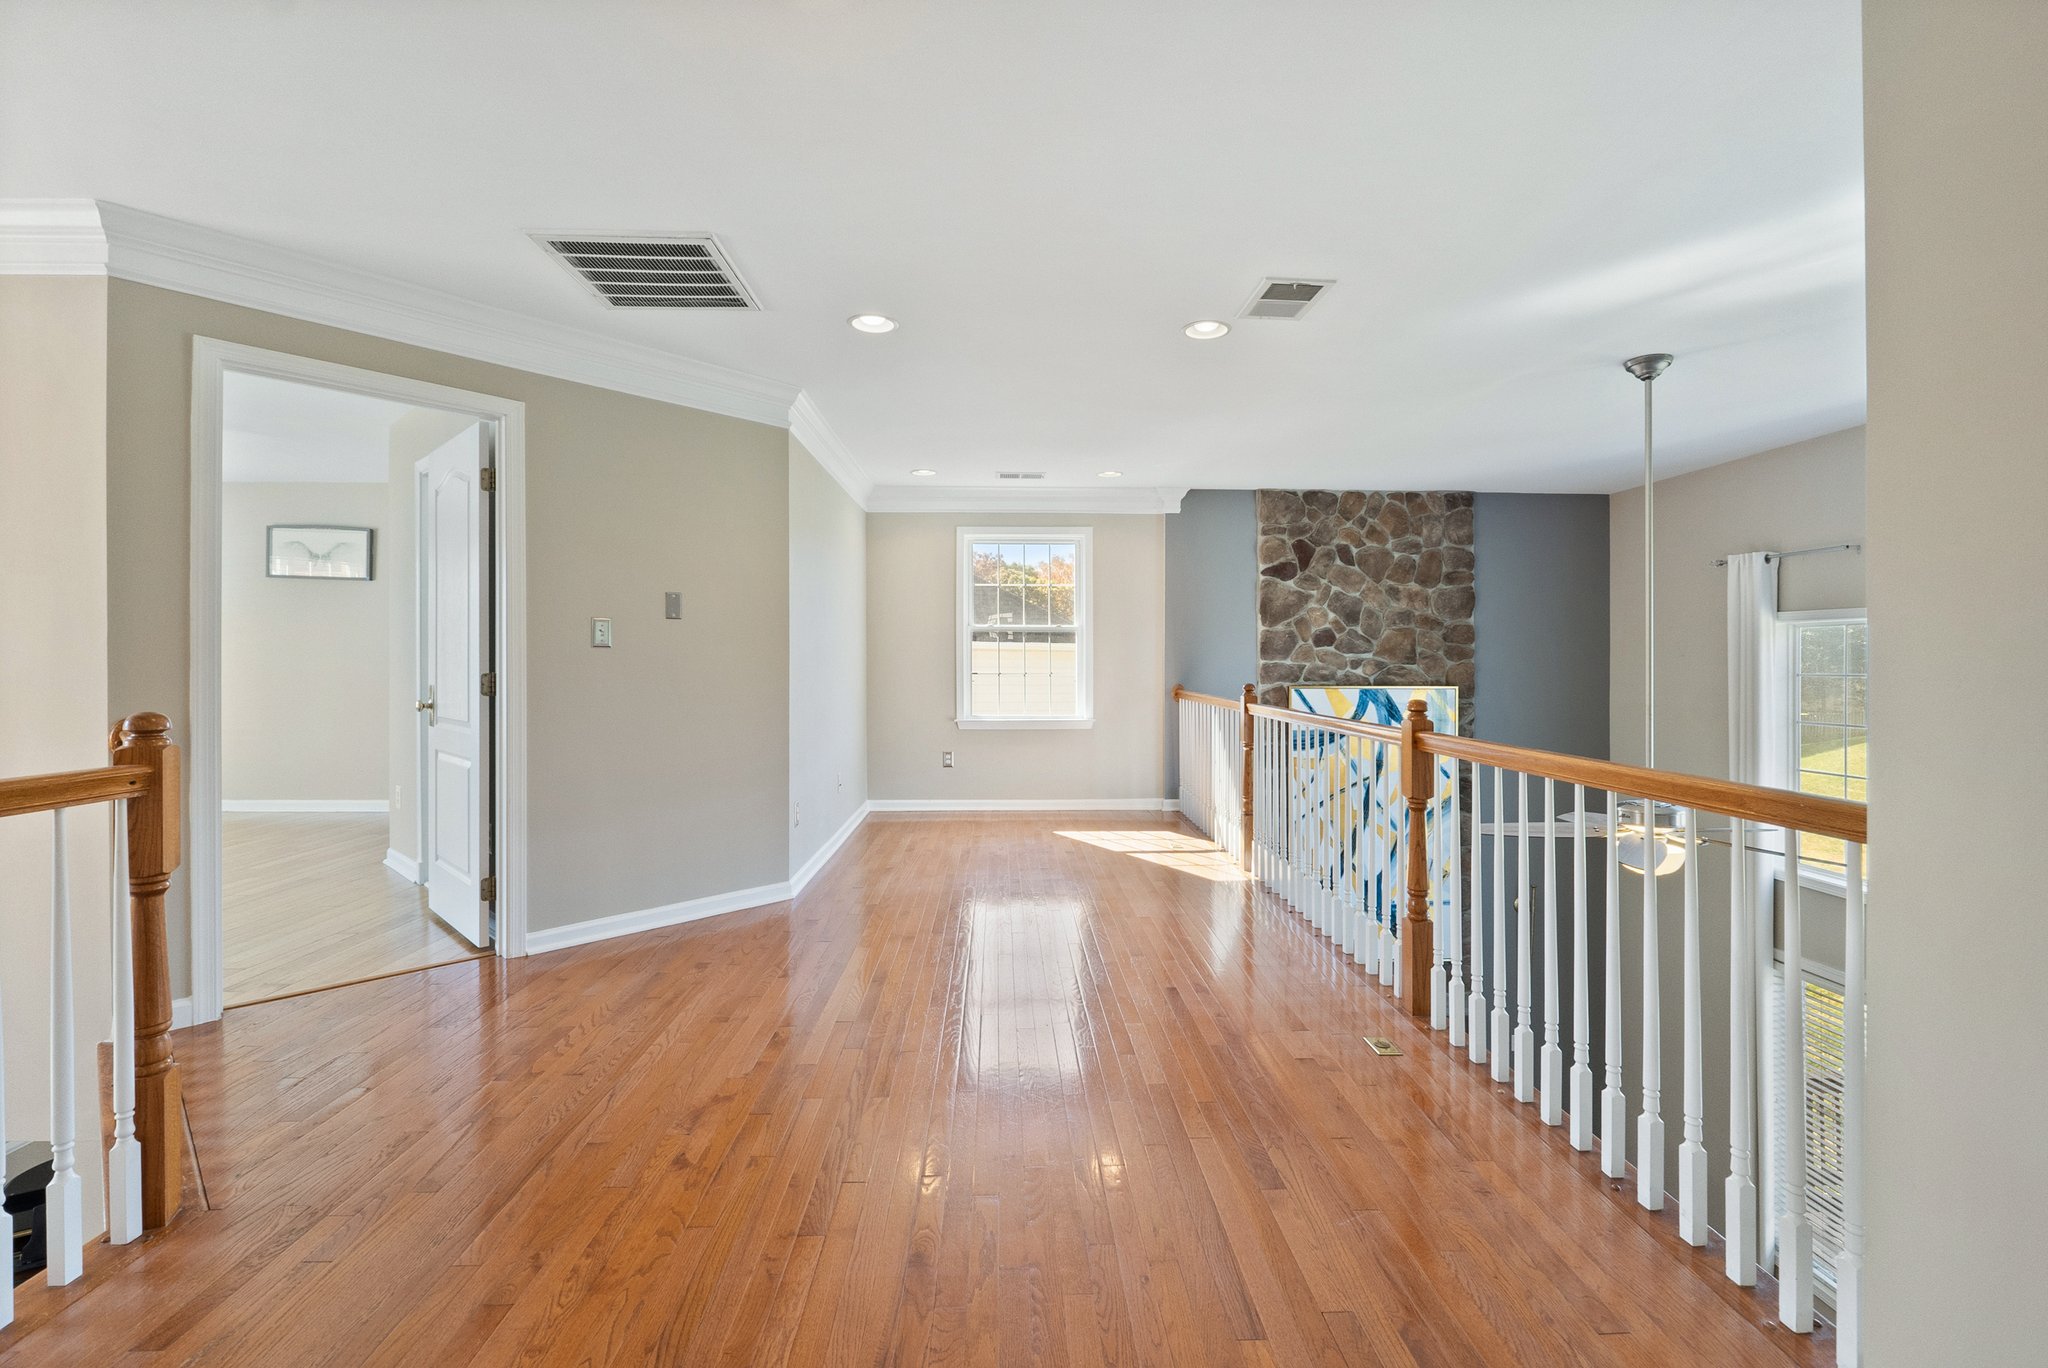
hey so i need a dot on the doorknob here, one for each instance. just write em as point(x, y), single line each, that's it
point(426, 705)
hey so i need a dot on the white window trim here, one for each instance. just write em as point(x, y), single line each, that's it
point(1084, 628)
point(1819, 880)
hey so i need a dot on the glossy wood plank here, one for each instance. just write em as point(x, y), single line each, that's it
point(1028, 1089)
point(307, 902)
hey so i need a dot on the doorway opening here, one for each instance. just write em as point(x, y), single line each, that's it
point(350, 802)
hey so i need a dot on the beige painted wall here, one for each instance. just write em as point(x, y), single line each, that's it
point(1955, 120)
point(303, 661)
point(828, 649)
point(414, 435)
point(911, 644)
point(53, 678)
point(1806, 494)
point(659, 770)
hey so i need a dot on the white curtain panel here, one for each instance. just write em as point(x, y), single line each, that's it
point(1759, 752)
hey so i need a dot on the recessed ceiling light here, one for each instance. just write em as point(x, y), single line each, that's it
point(1207, 330)
point(922, 471)
point(1109, 474)
point(874, 323)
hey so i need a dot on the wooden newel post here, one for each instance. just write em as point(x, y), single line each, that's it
point(1245, 853)
point(1417, 771)
point(153, 852)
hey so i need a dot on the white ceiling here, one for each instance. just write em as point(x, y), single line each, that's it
point(278, 431)
point(1513, 197)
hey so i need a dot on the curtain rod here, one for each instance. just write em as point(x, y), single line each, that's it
point(1802, 551)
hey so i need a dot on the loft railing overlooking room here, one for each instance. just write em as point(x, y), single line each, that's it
point(144, 1153)
point(1361, 829)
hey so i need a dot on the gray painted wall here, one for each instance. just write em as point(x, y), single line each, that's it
point(1212, 601)
point(1542, 620)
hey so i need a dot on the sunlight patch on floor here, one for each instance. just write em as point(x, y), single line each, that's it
point(1188, 854)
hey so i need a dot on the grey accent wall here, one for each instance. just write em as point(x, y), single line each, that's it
point(1212, 601)
point(1542, 620)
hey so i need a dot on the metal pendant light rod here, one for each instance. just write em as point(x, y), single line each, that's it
point(1647, 368)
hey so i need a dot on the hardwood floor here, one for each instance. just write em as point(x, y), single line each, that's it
point(1031, 1089)
point(306, 902)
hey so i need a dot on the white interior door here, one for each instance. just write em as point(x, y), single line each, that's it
point(454, 610)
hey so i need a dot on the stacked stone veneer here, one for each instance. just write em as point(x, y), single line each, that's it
point(1366, 588)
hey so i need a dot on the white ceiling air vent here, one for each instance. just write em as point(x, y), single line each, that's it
point(652, 272)
point(1020, 474)
point(1276, 298)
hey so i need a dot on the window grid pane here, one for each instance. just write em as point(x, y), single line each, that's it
point(1024, 650)
point(1830, 742)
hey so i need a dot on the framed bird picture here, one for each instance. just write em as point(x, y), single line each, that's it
point(318, 551)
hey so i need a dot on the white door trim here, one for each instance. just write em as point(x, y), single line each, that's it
point(211, 360)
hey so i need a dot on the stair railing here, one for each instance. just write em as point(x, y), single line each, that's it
point(145, 1153)
point(1360, 828)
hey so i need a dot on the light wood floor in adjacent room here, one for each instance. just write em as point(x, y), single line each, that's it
point(1032, 1089)
point(307, 902)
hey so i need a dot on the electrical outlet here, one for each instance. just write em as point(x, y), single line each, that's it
point(601, 631)
point(946, 760)
point(797, 810)
point(672, 604)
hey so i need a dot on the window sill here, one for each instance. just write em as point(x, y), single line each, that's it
point(1821, 881)
point(1023, 723)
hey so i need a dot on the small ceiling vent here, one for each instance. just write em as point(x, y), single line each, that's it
point(653, 272)
point(1284, 298)
point(1020, 474)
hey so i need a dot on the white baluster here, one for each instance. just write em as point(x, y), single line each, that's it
point(1475, 1006)
point(1739, 1192)
point(1650, 1123)
point(1692, 1147)
point(1525, 992)
point(1433, 827)
point(1551, 1107)
point(1795, 1230)
point(1397, 883)
point(1344, 929)
point(124, 1157)
point(1613, 1100)
point(1581, 1103)
point(1502, 1050)
point(64, 1212)
point(1453, 996)
point(1849, 1266)
point(1397, 895)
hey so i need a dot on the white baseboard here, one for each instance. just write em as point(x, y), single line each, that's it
point(1024, 805)
point(653, 918)
point(181, 1013)
point(405, 866)
point(304, 805)
point(801, 879)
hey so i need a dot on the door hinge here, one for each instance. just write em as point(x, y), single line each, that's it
point(488, 478)
point(489, 891)
point(490, 685)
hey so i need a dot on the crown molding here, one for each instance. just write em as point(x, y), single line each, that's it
point(926, 499)
point(807, 424)
point(51, 237)
point(89, 237)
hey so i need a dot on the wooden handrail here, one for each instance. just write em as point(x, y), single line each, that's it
point(73, 788)
point(1375, 730)
point(1190, 696)
point(1807, 812)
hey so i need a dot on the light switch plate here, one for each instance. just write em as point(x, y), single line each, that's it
point(600, 631)
point(672, 603)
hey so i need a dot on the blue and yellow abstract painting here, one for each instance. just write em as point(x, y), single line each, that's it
point(1367, 777)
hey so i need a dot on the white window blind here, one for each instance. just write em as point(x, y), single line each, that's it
point(1823, 1102)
